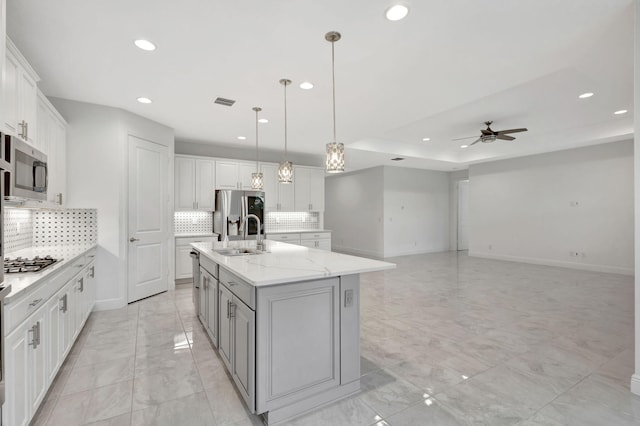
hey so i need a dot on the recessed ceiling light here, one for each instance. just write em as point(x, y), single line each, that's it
point(242, 137)
point(145, 45)
point(144, 100)
point(620, 112)
point(397, 12)
point(306, 85)
point(426, 139)
point(464, 146)
point(586, 95)
point(397, 159)
point(263, 120)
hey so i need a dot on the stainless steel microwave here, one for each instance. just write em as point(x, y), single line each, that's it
point(28, 174)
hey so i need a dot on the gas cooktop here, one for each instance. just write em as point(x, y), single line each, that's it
point(19, 264)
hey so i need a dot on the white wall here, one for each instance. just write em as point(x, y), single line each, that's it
point(97, 139)
point(635, 379)
point(540, 208)
point(416, 211)
point(454, 178)
point(354, 212)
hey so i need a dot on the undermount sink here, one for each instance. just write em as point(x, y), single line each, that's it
point(237, 251)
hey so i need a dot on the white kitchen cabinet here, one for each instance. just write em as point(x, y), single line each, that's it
point(52, 140)
point(225, 334)
point(234, 175)
point(317, 240)
point(309, 189)
point(184, 264)
point(278, 196)
point(211, 285)
point(243, 325)
point(194, 184)
point(20, 95)
point(26, 376)
point(55, 324)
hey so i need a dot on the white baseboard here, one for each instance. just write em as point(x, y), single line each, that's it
point(108, 304)
point(551, 262)
point(395, 253)
point(635, 384)
point(357, 252)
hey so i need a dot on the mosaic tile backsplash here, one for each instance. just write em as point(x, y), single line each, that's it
point(18, 229)
point(65, 227)
point(291, 221)
point(24, 228)
point(192, 222)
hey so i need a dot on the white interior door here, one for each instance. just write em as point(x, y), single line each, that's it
point(463, 215)
point(148, 221)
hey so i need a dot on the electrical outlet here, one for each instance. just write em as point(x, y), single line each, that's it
point(574, 254)
point(348, 298)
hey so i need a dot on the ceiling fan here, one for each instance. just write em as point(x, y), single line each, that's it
point(488, 135)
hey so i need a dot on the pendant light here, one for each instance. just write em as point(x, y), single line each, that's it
point(335, 150)
point(285, 170)
point(257, 182)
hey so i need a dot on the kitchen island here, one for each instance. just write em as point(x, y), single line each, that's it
point(285, 321)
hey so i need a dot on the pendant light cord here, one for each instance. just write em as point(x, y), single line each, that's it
point(285, 122)
point(333, 76)
point(257, 164)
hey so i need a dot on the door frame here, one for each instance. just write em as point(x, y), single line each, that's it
point(466, 181)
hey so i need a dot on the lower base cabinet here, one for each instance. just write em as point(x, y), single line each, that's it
point(36, 348)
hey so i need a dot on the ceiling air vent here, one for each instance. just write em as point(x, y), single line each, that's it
point(397, 159)
point(225, 102)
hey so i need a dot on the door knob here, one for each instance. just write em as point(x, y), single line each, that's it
point(133, 239)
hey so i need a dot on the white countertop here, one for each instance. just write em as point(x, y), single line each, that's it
point(299, 231)
point(286, 263)
point(195, 234)
point(22, 281)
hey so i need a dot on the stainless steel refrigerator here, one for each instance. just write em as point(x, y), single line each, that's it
point(231, 208)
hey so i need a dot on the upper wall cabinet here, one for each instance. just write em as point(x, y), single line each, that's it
point(194, 183)
point(234, 175)
point(278, 196)
point(20, 96)
point(52, 140)
point(309, 189)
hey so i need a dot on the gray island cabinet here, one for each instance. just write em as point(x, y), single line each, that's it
point(287, 323)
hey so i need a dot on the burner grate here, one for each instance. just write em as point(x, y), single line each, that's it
point(19, 264)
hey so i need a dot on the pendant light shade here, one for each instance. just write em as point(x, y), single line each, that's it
point(335, 150)
point(285, 170)
point(257, 181)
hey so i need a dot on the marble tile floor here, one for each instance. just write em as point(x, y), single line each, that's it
point(445, 340)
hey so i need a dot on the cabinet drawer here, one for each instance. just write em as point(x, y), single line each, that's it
point(315, 236)
point(243, 290)
point(287, 238)
point(185, 241)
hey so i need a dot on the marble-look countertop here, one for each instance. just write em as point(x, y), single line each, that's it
point(23, 281)
point(286, 263)
point(195, 234)
point(299, 231)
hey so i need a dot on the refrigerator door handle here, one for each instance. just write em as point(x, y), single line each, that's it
point(243, 213)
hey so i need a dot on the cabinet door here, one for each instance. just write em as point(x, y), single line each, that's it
point(44, 129)
point(212, 314)
point(244, 175)
point(17, 377)
point(54, 338)
point(301, 184)
point(90, 279)
point(185, 175)
point(202, 315)
point(224, 326)
point(27, 101)
point(309, 243)
point(205, 185)
point(270, 176)
point(324, 245)
point(226, 175)
point(286, 196)
point(10, 94)
point(38, 362)
point(65, 324)
point(243, 353)
point(316, 190)
point(184, 264)
point(56, 159)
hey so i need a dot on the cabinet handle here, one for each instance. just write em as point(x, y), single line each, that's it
point(80, 266)
point(91, 256)
point(81, 285)
point(93, 272)
point(63, 300)
point(232, 283)
point(35, 302)
point(22, 124)
point(38, 333)
point(232, 308)
point(59, 198)
point(228, 301)
point(33, 331)
point(26, 137)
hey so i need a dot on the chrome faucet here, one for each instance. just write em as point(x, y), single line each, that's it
point(259, 243)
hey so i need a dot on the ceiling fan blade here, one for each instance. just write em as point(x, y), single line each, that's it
point(502, 132)
point(505, 137)
point(475, 142)
point(487, 131)
point(468, 137)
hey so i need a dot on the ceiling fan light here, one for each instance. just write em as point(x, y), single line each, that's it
point(285, 172)
point(335, 157)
